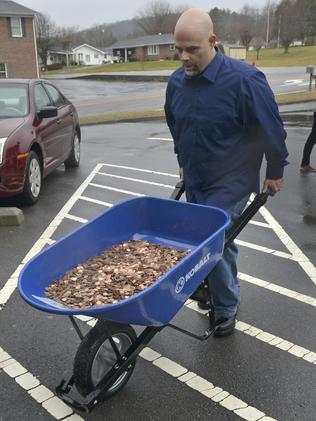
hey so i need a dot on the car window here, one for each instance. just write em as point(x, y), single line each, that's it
point(41, 97)
point(58, 99)
point(13, 100)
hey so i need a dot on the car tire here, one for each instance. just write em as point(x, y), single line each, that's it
point(73, 159)
point(33, 180)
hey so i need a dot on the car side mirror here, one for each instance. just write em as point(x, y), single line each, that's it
point(48, 112)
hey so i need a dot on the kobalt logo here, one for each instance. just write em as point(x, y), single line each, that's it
point(184, 279)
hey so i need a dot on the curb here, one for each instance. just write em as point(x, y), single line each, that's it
point(11, 216)
point(125, 120)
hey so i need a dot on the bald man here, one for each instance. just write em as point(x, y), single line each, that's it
point(223, 119)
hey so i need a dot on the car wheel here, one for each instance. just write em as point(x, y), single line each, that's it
point(33, 180)
point(74, 157)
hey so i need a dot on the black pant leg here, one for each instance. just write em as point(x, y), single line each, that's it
point(310, 142)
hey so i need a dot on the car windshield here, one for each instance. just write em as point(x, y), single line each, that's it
point(13, 100)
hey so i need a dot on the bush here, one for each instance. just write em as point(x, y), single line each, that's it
point(55, 66)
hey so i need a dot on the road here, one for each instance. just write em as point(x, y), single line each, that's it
point(264, 371)
point(102, 97)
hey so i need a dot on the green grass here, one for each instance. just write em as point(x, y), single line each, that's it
point(296, 97)
point(120, 67)
point(275, 57)
point(269, 57)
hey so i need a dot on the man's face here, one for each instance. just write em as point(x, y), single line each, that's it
point(194, 53)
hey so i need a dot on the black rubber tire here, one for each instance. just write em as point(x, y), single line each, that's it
point(88, 352)
point(27, 196)
point(73, 159)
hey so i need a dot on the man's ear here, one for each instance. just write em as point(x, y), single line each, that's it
point(212, 40)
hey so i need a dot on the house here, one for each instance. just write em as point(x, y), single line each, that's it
point(55, 56)
point(88, 55)
point(83, 54)
point(149, 47)
point(18, 52)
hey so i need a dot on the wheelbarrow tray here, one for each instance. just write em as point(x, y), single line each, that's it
point(166, 222)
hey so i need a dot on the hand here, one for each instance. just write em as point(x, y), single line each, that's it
point(181, 174)
point(275, 185)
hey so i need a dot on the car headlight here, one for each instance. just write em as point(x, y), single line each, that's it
point(2, 142)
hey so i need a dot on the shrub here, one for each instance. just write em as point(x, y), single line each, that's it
point(55, 66)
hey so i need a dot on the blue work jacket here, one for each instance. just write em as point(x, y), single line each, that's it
point(223, 122)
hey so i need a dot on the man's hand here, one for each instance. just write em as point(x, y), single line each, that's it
point(181, 174)
point(275, 185)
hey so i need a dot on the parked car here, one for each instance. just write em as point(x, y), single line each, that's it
point(117, 59)
point(39, 130)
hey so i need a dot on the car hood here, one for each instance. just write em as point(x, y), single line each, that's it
point(9, 125)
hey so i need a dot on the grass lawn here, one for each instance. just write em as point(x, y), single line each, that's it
point(269, 57)
point(275, 57)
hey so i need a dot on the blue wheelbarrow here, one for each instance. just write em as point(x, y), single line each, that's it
point(107, 355)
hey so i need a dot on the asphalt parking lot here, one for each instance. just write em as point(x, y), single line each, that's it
point(265, 371)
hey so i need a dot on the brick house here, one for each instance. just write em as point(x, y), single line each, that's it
point(18, 53)
point(149, 47)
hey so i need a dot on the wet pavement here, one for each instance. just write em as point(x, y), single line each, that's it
point(265, 369)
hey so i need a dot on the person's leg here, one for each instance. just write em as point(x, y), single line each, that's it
point(310, 142)
point(223, 281)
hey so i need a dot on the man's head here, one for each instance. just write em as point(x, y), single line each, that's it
point(194, 40)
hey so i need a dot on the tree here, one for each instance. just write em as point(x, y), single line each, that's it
point(257, 43)
point(286, 13)
point(159, 17)
point(45, 34)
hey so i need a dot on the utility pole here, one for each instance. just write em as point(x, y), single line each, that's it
point(268, 25)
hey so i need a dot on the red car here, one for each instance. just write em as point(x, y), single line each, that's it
point(39, 130)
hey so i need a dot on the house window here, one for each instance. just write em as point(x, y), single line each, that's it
point(172, 47)
point(96, 56)
point(87, 58)
point(16, 27)
point(3, 71)
point(153, 50)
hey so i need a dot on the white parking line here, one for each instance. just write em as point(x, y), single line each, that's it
point(76, 218)
point(166, 139)
point(245, 412)
point(101, 186)
point(98, 202)
point(264, 249)
point(140, 170)
point(277, 288)
point(41, 394)
point(296, 252)
point(201, 385)
point(138, 180)
point(271, 339)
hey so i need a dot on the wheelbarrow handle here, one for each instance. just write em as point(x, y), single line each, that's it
point(246, 216)
point(178, 190)
point(243, 219)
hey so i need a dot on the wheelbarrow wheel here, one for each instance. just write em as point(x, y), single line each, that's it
point(95, 357)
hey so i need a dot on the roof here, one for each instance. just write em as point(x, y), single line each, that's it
point(88, 46)
point(235, 46)
point(11, 8)
point(144, 41)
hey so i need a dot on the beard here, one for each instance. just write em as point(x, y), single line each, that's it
point(192, 70)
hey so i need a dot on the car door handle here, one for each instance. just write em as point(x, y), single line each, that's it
point(58, 120)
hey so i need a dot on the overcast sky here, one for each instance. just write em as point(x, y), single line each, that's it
point(87, 13)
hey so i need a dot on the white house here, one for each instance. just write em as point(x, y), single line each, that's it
point(88, 55)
